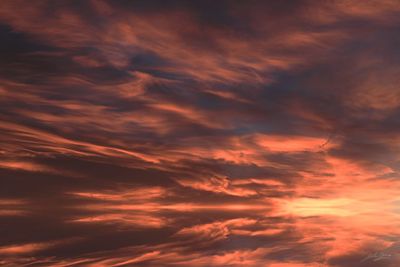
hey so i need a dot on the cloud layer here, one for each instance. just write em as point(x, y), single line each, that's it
point(199, 133)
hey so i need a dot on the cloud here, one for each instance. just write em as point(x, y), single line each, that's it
point(198, 133)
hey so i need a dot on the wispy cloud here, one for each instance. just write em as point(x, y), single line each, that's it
point(198, 133)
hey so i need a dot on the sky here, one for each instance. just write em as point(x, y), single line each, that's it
point(200, 133)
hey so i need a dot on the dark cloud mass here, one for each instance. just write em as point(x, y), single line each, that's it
point(199, 133)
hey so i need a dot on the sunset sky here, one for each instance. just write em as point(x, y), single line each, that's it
point(200, 133)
